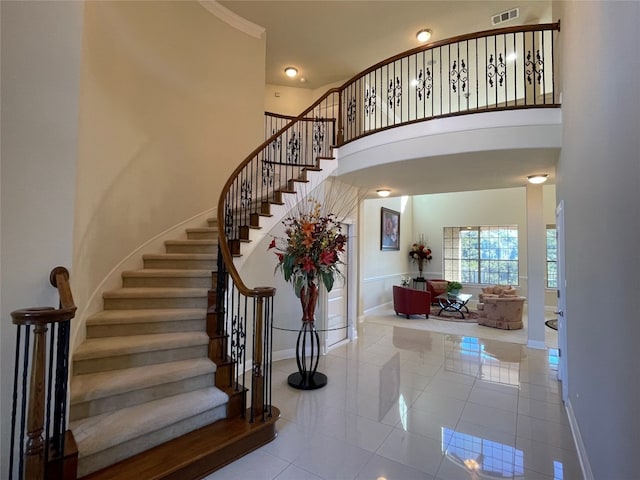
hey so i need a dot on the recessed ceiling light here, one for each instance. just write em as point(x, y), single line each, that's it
point(423, 35)
point(383, 192)
point(537, 178)
point(291, 71)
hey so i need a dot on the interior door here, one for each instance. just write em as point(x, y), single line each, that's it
point(337, 303)
point(562, 317)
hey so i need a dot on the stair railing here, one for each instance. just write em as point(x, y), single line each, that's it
point(501, 69)
point(40, 387)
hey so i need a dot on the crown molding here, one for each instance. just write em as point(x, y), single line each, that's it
point(232, 19)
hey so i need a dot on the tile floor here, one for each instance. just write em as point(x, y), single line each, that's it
point(405, 404)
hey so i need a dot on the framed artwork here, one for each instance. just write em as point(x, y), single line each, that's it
point(389, 229)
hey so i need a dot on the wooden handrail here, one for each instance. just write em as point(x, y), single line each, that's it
point(223, 243)
point(59, 278)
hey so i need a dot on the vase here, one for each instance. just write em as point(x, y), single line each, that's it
point(308, 344)
point(308, 301)
point(420, 267)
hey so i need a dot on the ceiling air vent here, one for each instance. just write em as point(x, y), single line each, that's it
point(505, 16)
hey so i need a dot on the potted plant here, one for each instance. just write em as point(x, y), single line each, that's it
point(453, 288)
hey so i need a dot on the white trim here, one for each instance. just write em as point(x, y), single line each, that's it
point(537, 344)
point(232, 19)
point(283, 354)
point(372, 309)
point(382, 277)
point(587, 474)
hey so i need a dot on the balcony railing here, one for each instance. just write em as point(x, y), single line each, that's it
point(508, 68)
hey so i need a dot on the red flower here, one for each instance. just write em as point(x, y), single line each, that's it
point(272, 244)
point(308, 265)
point(327, 257)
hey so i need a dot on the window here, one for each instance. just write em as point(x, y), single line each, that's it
point(552, 257)
point(481, 254)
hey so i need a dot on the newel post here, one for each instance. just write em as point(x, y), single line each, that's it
point(34, 451)
point(261, 349)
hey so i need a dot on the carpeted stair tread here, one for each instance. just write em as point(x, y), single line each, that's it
point(168, 272)
point(116, 346)
point(155, 292)
point(194, 256)
point(195, 241)
point(117, 317)
point(91, 386)
point(95, 434)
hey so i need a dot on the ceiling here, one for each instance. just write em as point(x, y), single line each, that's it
point(331, 41)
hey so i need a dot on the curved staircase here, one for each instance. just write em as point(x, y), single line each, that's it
point(143, 376)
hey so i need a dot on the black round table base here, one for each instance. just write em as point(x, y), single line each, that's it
point(306, 382)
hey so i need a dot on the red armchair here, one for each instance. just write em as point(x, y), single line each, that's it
point(437, 287)
point(408, 301)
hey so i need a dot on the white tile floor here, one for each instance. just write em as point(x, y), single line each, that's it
point(404, 404)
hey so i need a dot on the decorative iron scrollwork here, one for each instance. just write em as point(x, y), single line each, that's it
point(534, 67)
point(369, 101)
point(351, 110)
point(424, 84)
point(246, 193)
point(458, 75)
point(293, 149)
point(394, 92)
point(496, 69)
point(228, 220)
point(267, 173)
point(237, 339)
point(276, 145)
point(318, 134)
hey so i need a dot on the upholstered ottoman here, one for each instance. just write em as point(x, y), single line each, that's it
point(501, 312)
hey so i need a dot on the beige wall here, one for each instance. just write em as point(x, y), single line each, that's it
point(171, 101)
point(292, 101)
point(286, 100)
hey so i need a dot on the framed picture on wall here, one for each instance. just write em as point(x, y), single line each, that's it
point(389, 229)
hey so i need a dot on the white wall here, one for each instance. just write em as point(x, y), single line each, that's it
point(381, 269)
point(40, 78)
point(598, 177)
point(428, 215)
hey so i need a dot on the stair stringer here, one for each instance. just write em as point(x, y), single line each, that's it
point(328, 168)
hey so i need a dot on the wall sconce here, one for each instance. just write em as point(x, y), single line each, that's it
point(423, 35)
point(537, 178)
point(291, 72)
point(383, 192)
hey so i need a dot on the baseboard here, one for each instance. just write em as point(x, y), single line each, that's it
point(284, 354)
point(577, 439)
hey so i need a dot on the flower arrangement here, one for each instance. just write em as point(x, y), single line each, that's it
point(311, 248)
point(420, 251)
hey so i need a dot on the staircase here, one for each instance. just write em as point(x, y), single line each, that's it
point(144, 386)
point(142, 376)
